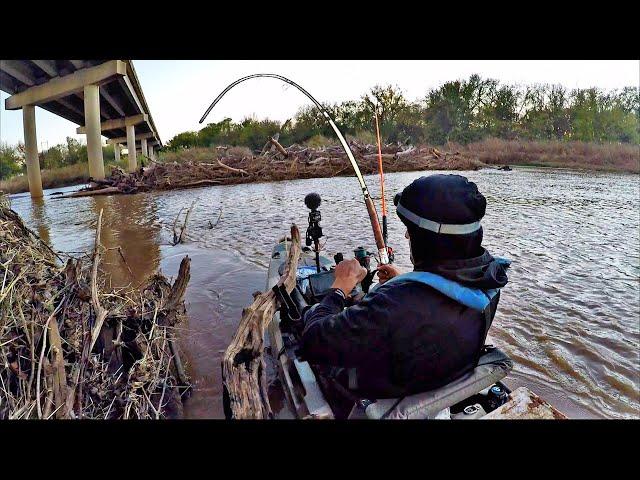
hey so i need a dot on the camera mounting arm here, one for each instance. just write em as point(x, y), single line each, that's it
point(314, 231)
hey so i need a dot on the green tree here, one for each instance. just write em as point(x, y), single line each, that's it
point(215, 133)
point(183, 140)
point(76, 152)
point(498, 117)
point(388, 102)
point(11, 162)
point(451, 110)
point(54, 157)
point(253, 133)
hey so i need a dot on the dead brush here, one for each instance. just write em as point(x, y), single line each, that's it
point(233, 165)
point(70, 350)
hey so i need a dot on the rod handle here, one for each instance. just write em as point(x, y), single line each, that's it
point(377, 231)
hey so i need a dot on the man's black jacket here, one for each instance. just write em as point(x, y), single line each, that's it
point(404, 337)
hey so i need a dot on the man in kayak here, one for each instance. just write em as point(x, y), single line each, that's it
point(418, 331)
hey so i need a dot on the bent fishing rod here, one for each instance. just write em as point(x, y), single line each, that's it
point(371, 209)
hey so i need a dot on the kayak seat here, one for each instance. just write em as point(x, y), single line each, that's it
point(493, 366)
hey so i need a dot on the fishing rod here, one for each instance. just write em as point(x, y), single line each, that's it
point(384, 204)
point(371, 209)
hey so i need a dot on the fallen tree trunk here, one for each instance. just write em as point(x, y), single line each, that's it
point(374, 156)
point(231, 169)
point(279, 147)
point(201, 183)
point(409, 151)
point(243, 367)
point(89, 193)
point(268, 146)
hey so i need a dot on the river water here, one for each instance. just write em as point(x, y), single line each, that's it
point(569, 317)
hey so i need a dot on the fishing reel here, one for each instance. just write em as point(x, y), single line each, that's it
point(364, 258)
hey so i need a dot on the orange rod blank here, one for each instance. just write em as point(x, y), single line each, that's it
point(384, 205)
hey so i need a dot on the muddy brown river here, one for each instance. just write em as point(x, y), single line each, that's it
point(569, 317)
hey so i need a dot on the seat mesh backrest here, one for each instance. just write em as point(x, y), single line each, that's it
point(492, 367)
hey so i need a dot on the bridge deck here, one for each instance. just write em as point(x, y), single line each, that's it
point(120, 97)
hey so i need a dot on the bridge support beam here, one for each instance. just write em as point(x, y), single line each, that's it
point(31, 150)
point(143, 147)
point(94, 139)
point(116, 151)
point(119, 123)
point(139, 136)
point(131, 148)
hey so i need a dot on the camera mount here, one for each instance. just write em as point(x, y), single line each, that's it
point(314, 230)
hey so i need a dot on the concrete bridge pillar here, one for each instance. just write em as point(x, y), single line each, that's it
point(116, 151)
point(131, 147)
point(143, 147)
point(31, 150)
point(92, 124)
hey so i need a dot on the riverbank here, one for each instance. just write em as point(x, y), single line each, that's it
point(58, 177)
point(54, 178)
point(624, 158)
point(200, 166)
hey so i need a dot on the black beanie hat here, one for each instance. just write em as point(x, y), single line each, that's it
point(442, 214)
point(443, 199)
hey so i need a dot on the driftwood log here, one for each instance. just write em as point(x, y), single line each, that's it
point(279, 147)
point(100, 191)
point(268, 146)
point(243, 366)
point(231, 169)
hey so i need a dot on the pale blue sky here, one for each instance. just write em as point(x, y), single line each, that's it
point(179, 91)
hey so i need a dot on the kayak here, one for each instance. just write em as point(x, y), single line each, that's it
point(478, 395)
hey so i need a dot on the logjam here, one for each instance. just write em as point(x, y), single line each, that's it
point(243, 366)
point(227, 165)
point(70, 348)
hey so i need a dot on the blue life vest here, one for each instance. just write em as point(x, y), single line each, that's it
point(474, 298)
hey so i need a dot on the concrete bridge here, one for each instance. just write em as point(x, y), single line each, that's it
point(104, 97)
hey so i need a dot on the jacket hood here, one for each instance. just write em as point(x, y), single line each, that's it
point(484, 271)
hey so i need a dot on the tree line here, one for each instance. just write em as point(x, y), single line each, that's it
point(12, 158)
point(460, 111)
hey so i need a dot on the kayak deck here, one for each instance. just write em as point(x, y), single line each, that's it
point(307, 399)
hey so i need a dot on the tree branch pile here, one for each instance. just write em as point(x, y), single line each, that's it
point(230, 166)
point(68, 349)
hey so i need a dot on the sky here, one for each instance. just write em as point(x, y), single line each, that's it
point(179, 91)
